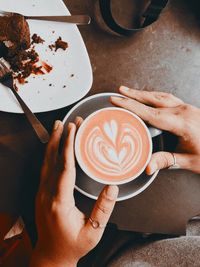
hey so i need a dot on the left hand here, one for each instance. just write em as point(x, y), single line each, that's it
point(169, 113)
point(64, 233)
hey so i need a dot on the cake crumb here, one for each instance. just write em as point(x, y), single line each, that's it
point(36, 39)
point(59, 43)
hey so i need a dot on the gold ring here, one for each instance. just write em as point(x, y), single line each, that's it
point(96, 224)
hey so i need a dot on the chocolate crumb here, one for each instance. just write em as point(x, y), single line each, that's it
point(64, 86)
point(51, 47)
point(59, 43)
point(72, 75)
point(47, 67)
point(36, 39)
point(50, 84)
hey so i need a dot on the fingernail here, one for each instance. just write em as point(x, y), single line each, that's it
point(151, 168)
point(124, 88)
point(112, 191)
point(115, 98)
point(78, 120)
point(70, 125)
point(56, 125)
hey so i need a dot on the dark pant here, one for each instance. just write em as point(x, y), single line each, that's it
point(112, 243)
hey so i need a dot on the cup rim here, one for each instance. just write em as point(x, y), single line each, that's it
point(101, 181)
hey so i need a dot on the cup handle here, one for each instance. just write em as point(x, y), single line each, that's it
point(154, 131)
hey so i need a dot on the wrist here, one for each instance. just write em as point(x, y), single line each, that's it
point(38, 259)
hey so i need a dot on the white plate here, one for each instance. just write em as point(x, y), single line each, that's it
point(37, 93)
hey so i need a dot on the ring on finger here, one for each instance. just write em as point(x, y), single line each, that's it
point(174, 166)
point(96, 224)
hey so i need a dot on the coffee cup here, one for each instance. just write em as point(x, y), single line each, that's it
point(113, 146)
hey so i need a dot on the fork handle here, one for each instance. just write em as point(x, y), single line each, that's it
point(35, 123)
point(75, 19)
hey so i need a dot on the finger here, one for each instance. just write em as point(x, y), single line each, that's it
point(78, 121)
point(53, 145)
point(67, 178)
point(163, 160)
point(52, 148)
point(158, 117)
point(155, 99)
point(101, 212)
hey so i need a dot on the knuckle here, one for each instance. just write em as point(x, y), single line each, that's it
point(68, 169)
point(154, 112)
point(195, 164)
point(185, 108)
point(169, 95)
point(165, 161)
point(67, 164)
point(181, 110)
point(125, 100)
point(90, 239)
point(55, 208)
point(162, 95)
point(103, 209)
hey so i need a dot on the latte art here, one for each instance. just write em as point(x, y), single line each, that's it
point(113, 145)
point(113, 149)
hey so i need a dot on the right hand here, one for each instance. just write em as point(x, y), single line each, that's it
point(167, 112)
point(65, 234)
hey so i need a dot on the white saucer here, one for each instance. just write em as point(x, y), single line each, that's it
point(86, 185)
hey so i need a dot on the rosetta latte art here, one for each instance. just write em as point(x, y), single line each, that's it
point(113, 149)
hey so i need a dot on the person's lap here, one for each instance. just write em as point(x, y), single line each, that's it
point(181, 251)
point(130, 249)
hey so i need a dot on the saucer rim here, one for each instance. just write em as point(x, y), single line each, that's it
point(126, 197)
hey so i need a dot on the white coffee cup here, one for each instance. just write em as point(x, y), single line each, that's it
point(137, 121)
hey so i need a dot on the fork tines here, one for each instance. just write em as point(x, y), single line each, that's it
point(4, 69)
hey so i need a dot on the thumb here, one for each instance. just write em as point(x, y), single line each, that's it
point(101, 214)
point(163, 160)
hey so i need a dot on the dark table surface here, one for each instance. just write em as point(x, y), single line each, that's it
point(166, 57)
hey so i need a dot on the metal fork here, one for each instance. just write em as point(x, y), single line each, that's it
point(74, 19)
point(6, 78)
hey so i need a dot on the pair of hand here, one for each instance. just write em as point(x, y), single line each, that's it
point(64, 233)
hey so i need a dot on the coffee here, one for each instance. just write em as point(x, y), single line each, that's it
point(113, 146)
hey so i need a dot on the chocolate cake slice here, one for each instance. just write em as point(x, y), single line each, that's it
point(14, 45)
point(14, 32)
point(17, 49)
